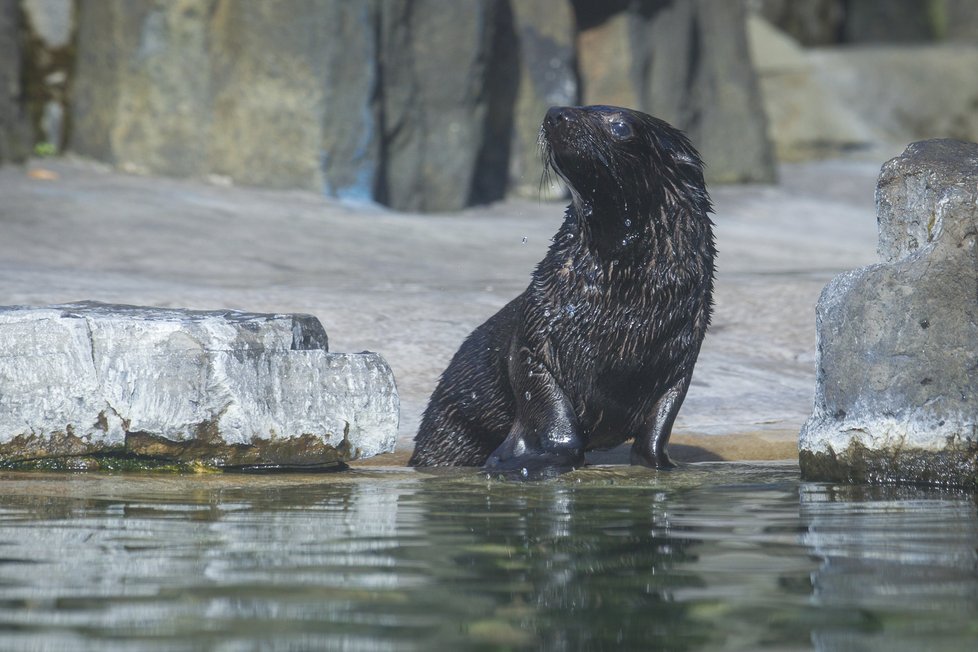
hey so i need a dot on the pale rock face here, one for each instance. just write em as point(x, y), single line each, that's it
point(225, 388)
point(896, 394)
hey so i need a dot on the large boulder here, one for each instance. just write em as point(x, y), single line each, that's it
point(291, 84)
point(260, 93)
point(437, 60)
point(14, 142)
point(687, 63)
point(896, 395)
point(90, 382)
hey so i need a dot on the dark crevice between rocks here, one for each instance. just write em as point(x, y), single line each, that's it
point(491, 171)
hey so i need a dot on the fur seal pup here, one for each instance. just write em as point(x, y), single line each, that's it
point(600, 347)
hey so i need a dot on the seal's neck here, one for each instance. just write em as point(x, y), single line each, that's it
point(613, 228)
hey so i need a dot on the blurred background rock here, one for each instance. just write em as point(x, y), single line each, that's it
point(433, 105)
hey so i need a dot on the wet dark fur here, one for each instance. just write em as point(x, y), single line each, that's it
point(600, 347)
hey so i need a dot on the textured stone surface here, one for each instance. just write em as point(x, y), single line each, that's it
point(13, 125)
point(405, 102)
point(606, 59)
point(805, 120)
point(291, 84)
point(274, 93)
point(905, 94)
point(224, 389)
point(689, 64)
point(434, 104)
point(545, 32)
point(897, 364)
point(699, 76)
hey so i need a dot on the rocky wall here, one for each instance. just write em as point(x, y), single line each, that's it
point(420, 105)
point(14, 139)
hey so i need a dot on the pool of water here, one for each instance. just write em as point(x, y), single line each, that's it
point(716, 556)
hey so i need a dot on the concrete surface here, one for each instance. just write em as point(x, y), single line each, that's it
point(413, 286)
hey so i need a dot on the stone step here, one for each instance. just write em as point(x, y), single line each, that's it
point(218, 388)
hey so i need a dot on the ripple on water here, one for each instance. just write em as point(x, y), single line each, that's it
point(710, 556)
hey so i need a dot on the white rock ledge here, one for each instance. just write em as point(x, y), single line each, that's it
point(222, 388)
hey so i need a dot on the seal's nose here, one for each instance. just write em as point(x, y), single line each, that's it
point(557, 115)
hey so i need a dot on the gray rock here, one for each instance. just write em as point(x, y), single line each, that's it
point(687, 63)
point(223, 388)
point(434, 103)
point(545, 32)
point(275, 94)
point(806, 119)
point(13, 124)
point(292, 84)
point(905, 94)
point(961, 21)
point(897, 369)
point(142, 98)
point(700, 78)
point(829, 22)
point(402, 102)
point(351, 145)
point(891, 21)
point(606, 61)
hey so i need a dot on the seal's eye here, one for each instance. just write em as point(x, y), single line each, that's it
point(620, 129)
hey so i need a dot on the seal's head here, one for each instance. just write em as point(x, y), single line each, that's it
point(618, 157)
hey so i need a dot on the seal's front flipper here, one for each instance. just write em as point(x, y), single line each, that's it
point(526, 455)
point(649, 448)
point(545, 439)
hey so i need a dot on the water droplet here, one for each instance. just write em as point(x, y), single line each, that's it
point(628, 222)
point(624, 242)
point(570, 236)
point(473, 396)
point(524, 239)
point(528, 396)
point(525, 472)
point(546, 312)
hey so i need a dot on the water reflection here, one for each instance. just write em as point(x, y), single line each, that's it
point(715, 557)
point(904, 558)
point(553, 566)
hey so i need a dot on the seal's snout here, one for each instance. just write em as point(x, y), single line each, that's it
point(557, 115)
